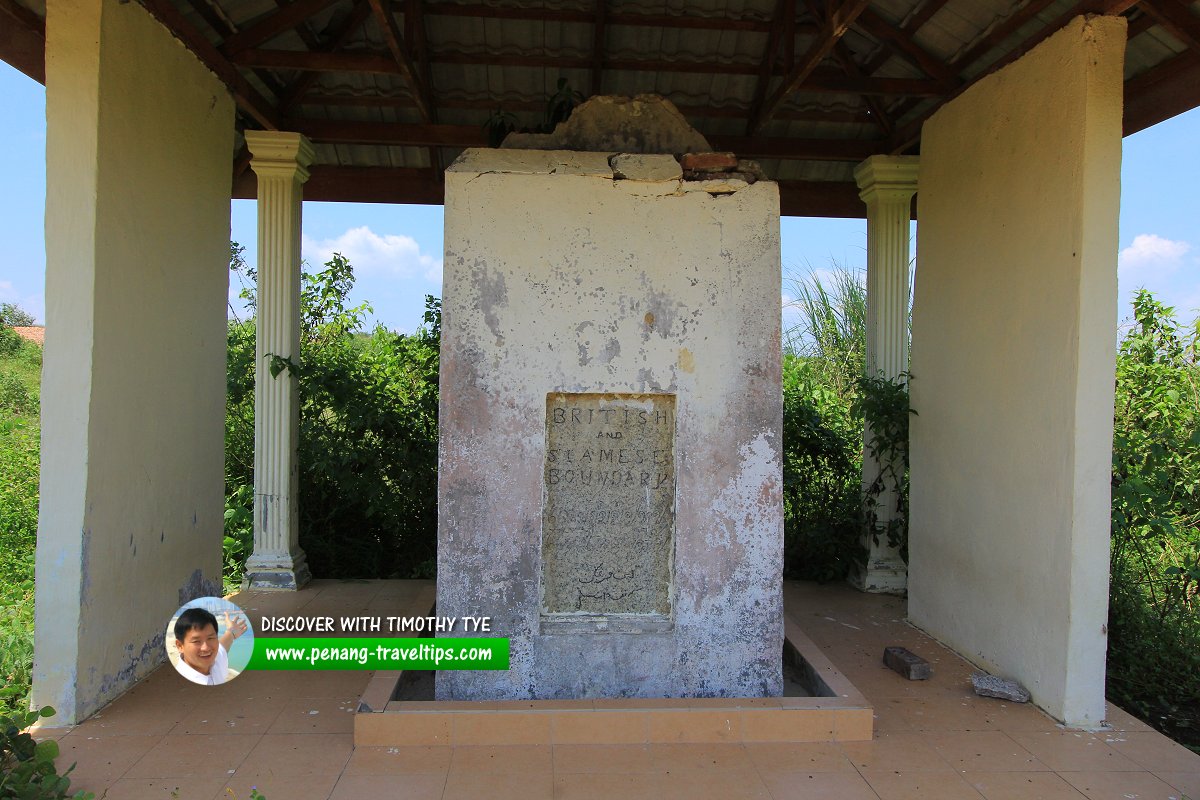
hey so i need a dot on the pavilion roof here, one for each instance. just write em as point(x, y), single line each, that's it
point(390, 91)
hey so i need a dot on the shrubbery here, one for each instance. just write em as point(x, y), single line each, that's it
point(368, 437)
point(1154, 607)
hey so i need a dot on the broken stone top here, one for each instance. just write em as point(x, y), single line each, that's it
point(644, 124)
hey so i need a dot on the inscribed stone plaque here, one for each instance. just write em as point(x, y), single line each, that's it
point(608, 523)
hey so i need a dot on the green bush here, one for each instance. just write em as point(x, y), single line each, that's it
point(1154, 611)
point(368, 437)
point(27, 770)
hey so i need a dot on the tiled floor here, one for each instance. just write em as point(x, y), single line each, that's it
point(289, 735)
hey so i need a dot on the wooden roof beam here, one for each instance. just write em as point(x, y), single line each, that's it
point(833, 30)
point(248, 98)
point(901, 42)
point(596, 77)
point(785, 10)
point(629, 18)
point(335, 36)
point(460, 136)
point(395, 43)
point(1176, 18)
point(267, 28)
point(911, 133)
point(23, 39)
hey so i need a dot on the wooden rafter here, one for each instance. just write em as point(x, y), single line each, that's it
point(403, 59)
point(599, 32)
point(538, 105)
point(23, 39)
point(272, 25)
point(874, 104)
point(414, 135)
point(1170, 88)
point(923, 14)
point(304, 30)
point(785, 10)
point(1176, 18)
point(248, 98)
point(822, 81)
point(625, 18)
point(834, 29)
point(337, 35)
point(902, 42)
point(908, 136)
point(215, 18)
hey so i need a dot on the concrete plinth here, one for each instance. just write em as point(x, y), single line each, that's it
point(609, 477)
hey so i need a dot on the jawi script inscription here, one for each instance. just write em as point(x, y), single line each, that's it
point(608, 522)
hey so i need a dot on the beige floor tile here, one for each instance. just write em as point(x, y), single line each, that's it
point(383, 787)
point(234, 718)
point(806, 757)
point(528, 759)
point(100, 760)
point(1022, 786)
point(190, 788)
point(892, 785)
point(1188, 783)
point(983, 751)
point(1073, 751)
point(277, 785)
point(818, 786)
point(315, 715)
point(605, 786)
point(1121, 786)
point(1152, 750)
point(719, 785)
point(470, 785)
point(1121, 720)
point(688, 758)
point(302, 753)
point(911, 752)
point(136, 717)
point(178, 755)
point(594, 758)
point(399, 761)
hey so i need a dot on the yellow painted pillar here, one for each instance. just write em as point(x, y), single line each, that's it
point(133, 383)
point(887, 185)
point(280, 160)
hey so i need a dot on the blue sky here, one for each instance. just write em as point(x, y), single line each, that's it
point(397, 250)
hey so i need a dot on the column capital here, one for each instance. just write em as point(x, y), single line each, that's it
point(887, 177)
point(279, 154)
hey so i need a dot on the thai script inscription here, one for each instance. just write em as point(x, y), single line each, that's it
point(608, 522)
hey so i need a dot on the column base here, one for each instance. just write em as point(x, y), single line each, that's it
point(276, 572)
point(882, 574)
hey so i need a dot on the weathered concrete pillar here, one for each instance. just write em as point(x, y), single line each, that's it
point(280, 161)
point(133, 384)
point(887, 185)
point(1013, 355)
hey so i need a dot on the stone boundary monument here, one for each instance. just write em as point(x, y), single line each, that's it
point(611, 412)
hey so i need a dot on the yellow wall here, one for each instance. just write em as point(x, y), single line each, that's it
point(139, 148)
point(1014, 330)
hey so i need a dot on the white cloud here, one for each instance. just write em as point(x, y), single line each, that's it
point(371, 253)
point(1151, 250)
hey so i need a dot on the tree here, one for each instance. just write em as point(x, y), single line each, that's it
point(12, 315)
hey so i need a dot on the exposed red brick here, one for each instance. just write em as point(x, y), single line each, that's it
point(709, 162)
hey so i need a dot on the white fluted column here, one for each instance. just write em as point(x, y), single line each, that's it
point(280, 160)
point(887, 185)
